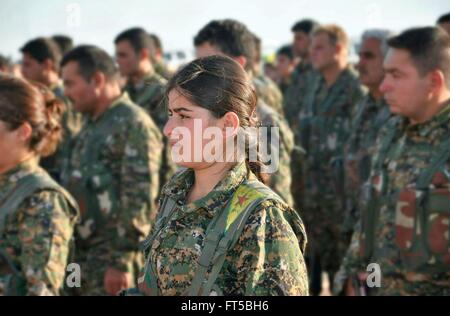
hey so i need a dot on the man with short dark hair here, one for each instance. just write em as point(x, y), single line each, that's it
point(444, 22)
point(145, 87)
point(64, 42)
point(232, 38)
point(285, 66)
point(40, 63)
point(266, 88)
point(113, 172)
point(296, 92)
point(405, 219)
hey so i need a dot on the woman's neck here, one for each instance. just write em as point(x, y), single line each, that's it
point(206, 179)
point(11, 165)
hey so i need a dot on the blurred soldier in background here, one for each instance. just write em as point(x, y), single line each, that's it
point(41, 57)
point(113, 172)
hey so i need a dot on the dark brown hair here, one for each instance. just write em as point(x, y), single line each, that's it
point(220, 85)
point(429, 48)
point(22, 102)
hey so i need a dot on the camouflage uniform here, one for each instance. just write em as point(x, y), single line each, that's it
point(149, 94)
point(295, 93)
point(280, 180)
point(36, 237)
point(71, 123)
point(324, 128)
point(293, 98)
point(113, 174)
point(267, 258)
point(268, 91)
point(371, 115)
point(404, 225)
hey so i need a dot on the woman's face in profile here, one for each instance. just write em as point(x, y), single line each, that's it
point(195, 136)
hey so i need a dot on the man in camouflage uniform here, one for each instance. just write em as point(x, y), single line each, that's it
point(285, 66)
point(266, 88)
point(144, 86)
point(233, 39)
point(41, 57)
point(158, 58)
point(405, 217)
point(372, 112)
point(324, 129)
point(113, 172)
point(299, 82)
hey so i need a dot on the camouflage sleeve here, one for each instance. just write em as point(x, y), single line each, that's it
point(45, 230)
point(156, 105)
point(267, 258)
point(139, 186)
point(280, 180)
point(351, 263)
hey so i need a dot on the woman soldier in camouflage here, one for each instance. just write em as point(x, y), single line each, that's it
point(220, 230)
point(37, 216)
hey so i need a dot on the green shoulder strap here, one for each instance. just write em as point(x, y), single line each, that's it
point(168, 207)
point(24, 188)
point(443, 154)
point(224, 232)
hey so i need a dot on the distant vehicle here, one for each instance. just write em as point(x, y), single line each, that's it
point(176, 58)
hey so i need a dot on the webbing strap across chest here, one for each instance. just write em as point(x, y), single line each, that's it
point(24, 188)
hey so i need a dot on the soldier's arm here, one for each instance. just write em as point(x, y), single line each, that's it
point(281, 147)
point(351, 263)
point(268, 259)
point(45, 230)
point(139, 185)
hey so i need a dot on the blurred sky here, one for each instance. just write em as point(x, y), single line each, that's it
point(177, 21)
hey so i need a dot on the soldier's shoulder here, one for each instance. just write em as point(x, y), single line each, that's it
point(176, 180)
point(45, 203)
point(280, 220)
point(134, 115)
point(155, 79)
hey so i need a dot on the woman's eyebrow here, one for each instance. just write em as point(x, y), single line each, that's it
point(176, 110)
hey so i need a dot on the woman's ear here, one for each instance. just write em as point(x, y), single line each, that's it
point(230, 124)
point(24, 132)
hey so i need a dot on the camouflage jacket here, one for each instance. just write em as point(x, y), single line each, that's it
point(404, 225)
point(37, 236)
point(268, 91)
point(280, 180)
point(325, 121)
point(266, 260)
point(113, 174)
point(296, 92)
point(149, 94)
point(371, 115)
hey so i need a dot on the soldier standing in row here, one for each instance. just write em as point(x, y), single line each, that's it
point(404, 225)
point(37, 216)
point(325, 120)
point(113, 172)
